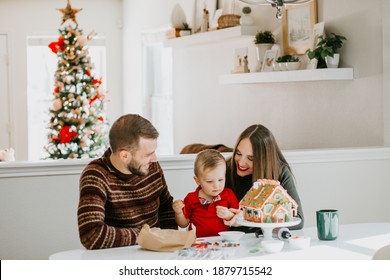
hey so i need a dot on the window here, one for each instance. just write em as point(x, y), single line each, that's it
point(157, 63)
point(41, 66)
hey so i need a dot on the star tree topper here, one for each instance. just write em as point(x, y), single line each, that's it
point(69, 13)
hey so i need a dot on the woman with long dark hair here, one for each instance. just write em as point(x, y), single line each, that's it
point(256, 155)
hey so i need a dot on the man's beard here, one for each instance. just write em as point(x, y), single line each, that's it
point(135, 168)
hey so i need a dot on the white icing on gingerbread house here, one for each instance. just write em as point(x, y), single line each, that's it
point(268, 202)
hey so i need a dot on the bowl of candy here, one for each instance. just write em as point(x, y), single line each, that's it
point(299, 242)
point(231, 236)
point(229, 249)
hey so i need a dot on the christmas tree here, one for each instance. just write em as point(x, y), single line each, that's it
point(78, 125)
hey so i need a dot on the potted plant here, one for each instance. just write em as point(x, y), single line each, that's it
point(185, 30)
point(263, 40)
point(264, 37)
point(326, 51)
point(287, 62)
point(287, 58)
point(246, 19)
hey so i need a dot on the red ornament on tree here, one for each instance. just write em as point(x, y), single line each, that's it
point(55, 46)
point(97, 82)
point(66, 134)
point(93, 99)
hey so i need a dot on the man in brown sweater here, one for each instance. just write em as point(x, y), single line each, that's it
point(124, 189)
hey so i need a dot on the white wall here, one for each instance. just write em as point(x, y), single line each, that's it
point(301, 115)
point(22, 18)
point(38, 201)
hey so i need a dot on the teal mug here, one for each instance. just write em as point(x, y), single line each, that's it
point(327, 224)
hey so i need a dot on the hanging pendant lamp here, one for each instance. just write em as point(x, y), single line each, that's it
point(278, 4)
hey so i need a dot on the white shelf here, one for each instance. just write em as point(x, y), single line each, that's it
point(212, 36)
point(288, 76)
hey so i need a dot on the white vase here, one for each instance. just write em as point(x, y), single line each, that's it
point(260, 51)
point(312, 63)
point(333, 62)
point(246, 20)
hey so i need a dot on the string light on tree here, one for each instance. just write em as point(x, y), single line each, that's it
point(78, 124)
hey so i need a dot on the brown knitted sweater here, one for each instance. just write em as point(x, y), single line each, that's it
point(114, 206)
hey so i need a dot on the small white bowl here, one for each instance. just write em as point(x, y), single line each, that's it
point(299, 242)
point(231, 235)
point(272, 246)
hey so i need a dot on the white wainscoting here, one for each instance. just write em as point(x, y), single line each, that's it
point(38, 200)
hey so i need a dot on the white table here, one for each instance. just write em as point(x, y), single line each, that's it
point(355, 241)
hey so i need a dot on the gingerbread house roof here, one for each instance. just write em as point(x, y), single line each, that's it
point(262, 193)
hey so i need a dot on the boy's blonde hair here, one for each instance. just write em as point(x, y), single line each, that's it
point(207, 159)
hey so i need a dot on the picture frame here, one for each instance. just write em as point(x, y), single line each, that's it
point(210, 6)
point(318, 30)
point(240, 61)
point(214, 21)
point(268, 61)
point(297, 27)
point(228, 6)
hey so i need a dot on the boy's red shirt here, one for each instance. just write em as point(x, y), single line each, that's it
point(204, 216)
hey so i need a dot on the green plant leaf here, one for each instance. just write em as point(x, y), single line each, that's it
point(264, 37)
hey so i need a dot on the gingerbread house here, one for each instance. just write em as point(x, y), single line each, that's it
point(268, 202)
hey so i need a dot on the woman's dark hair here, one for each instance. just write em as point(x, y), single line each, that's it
point(267, 157)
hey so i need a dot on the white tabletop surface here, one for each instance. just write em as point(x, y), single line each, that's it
point(355, 241)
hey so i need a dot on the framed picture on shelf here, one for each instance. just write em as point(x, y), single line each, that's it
point(268, 61)
point(214, 21)
point(318, 30)
point(297, 24)
point(228, 6)
point(240, 61)
point(204, 11)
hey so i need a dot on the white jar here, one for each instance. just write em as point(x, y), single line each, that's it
point(246, 20)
